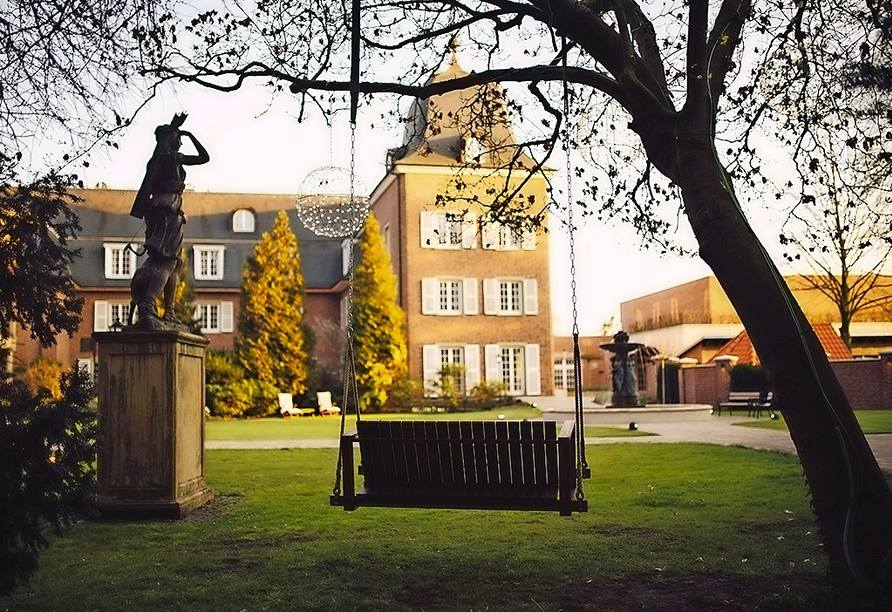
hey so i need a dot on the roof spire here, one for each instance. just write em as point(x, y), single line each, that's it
point(453, 46)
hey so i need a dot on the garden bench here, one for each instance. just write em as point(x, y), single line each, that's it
point(485, 465)
point(753, 401)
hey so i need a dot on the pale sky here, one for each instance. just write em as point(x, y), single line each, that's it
point(258, 148)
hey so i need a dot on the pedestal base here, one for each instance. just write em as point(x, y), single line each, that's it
point(151, 420)
point(624, 400)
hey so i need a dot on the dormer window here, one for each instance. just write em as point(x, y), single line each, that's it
point(243, 221)
point(475, 152)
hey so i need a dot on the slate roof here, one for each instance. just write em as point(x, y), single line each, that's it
point(742, 347)
point(105, 217)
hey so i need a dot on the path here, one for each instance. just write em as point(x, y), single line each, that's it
point(716, 430)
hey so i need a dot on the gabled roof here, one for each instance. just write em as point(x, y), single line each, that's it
point(742, 347)
point(105, 217)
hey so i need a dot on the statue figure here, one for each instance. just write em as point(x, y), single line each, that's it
point(625, 385)
point(159, 202)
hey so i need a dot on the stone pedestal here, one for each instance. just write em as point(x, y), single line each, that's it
point(151, 423)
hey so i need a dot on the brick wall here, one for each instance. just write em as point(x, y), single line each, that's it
point(866, 382)
point(703, 384)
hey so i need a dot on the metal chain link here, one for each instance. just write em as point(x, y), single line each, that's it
point(581, 462)
point(350, 391)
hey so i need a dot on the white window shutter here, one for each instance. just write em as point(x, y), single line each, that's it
point(490, 235)
point(429, 294)
point(100, 316)
point(490, 296)
point(491, 354)
point(532, 374)
point(530, 296)
point(427, 230)
point(469, 295)
point(528, 243)
point(472, 366)
point(469, 231)
point(226, 317)
point(430, 367)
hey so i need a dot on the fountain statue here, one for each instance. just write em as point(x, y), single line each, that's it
point(625, 385)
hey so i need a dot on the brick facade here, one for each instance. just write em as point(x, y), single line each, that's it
point(866, 382)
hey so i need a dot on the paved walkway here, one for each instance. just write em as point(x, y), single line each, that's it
point(715, 430)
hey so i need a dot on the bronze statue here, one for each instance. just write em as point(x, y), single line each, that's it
point(159, 202)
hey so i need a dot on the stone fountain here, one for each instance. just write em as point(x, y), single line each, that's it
point(625, 385)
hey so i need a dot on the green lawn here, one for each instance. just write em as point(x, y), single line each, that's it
point(670, 527)
point(327, 428)
point(871, 421)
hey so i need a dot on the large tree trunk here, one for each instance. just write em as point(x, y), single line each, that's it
point(850, 496)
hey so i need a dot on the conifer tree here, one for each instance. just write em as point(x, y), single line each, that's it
point(272, 343)
point(379, 337)
point(184, 301)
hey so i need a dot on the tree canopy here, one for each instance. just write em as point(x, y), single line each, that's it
point(272, 343)
point(36, 290)
point(379, 337)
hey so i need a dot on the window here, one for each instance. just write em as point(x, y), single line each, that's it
point(564, 373)
point(499, 237)
point(105, 314)
point(511, 368)
point(452, 365)
point(449, 296)
point(517, 366)
point(120, 261)
point(215, 317)
point(346, 253)
point(243, 221)
point(441, 230)
point(208, 262)
point(474, 151)
point(462, 378)
point(510, 297)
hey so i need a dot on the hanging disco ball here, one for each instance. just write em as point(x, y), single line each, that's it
point(325, 206)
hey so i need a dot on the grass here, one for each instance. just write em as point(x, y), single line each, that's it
point(871, 421)
point(670, 527)
point(327, 428)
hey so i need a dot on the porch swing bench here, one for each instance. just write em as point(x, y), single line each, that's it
point(483, 465)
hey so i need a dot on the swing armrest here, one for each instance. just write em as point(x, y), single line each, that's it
point(348, 492)
point(566, 469)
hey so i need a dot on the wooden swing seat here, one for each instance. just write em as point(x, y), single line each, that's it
point(484, 465)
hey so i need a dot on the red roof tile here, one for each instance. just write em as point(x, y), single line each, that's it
point(742, 347)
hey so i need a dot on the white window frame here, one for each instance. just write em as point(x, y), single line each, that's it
point(244, 221)
point(465, 303)
point(106, 312)
point(524, 378)
point(495, 289)
point(448, 231)
point(206, 312)
point(120, 262)
point(500, 237)
point(214, 251)
point(474, 151)
point(564, 373)
point(432, 363)
point(346, 243)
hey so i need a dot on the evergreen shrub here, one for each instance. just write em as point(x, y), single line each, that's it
point(47, 468)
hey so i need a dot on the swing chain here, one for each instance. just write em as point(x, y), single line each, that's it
point(581, 462)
